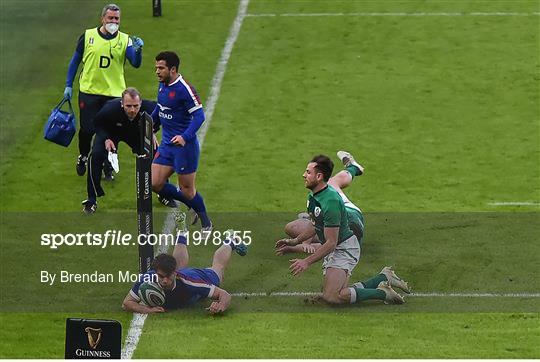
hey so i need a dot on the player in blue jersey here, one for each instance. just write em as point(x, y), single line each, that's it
point(186, 286)
point(180, 112)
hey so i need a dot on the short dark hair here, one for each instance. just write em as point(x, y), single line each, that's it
point(165, 263)
point(171, 59)
point(133, 92)
point(324, 165)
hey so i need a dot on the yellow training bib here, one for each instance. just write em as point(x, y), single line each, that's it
point(103, 64)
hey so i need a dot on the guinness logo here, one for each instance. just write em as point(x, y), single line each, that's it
point(94, 336)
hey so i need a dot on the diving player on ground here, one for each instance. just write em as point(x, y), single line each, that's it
point(186, 286)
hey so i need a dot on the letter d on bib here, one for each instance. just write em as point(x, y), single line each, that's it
point(104, 61)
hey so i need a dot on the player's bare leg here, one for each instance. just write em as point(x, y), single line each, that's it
point(294, 229)
point(187, 184)
point(344, 178)
point(222, 256)
point(335, 289)
point(160, 175)
point(340, 180)
point(221, 259)
point(298, 227)
point(181, 256)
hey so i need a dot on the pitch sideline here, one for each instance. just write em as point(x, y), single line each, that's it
point(394, 14)
point(417, 295)
point(137, 323)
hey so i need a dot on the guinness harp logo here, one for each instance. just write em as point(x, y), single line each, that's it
point(94, 336)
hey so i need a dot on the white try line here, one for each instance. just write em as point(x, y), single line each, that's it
point(418, 295)
point(514, 203)
point(441, 14)
point(137, 323)
point(215, 85)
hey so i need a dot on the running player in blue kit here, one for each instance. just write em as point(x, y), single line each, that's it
point(180, 113)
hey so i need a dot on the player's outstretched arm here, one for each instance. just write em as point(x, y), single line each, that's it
point(300, 265)
point(221, 302)
point(132, 305)
point(305, 237)
point(331, 235)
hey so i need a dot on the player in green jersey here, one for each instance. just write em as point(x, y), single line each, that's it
point(302, 236)
point(339, 246)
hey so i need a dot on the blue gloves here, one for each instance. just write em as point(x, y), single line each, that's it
point(68, 92)
point(137, 43)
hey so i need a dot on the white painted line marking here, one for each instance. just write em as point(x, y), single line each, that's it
point(137, 323)
point(514, 203)
point(134, 333)
point(419, 295)
point(215, 87)
point(255, 15)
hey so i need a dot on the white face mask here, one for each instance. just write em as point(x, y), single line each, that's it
point(112, 27)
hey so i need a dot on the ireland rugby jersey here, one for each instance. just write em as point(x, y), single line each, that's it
point(326, 209)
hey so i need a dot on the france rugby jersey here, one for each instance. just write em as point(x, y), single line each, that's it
point(176, 102)
point(190, 285)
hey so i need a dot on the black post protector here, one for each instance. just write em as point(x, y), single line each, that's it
point(156, 7)
point(93, 339)
point(144, 192)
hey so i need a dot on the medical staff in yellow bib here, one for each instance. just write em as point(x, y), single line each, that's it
point(102, 52)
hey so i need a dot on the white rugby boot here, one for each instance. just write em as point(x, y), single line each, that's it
point(348, 160)
point(394, 280)
point(392, 297)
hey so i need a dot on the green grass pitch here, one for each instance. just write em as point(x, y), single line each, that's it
point(443, 111)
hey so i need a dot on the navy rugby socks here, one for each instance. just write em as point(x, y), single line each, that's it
point(197, 203)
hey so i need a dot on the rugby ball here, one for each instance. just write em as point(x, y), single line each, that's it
point(151, 294)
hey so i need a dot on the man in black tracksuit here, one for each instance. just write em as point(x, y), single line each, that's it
point(117, 121)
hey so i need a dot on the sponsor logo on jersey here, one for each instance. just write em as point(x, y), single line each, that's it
point(317, 211)
point(162, 110)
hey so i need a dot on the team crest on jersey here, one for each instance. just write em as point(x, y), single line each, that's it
point(317, 211)
point(172, 94)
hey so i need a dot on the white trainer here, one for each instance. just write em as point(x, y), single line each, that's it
point(394, 280)
point(349, 160)
point(180, 219)
point(392, 297)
